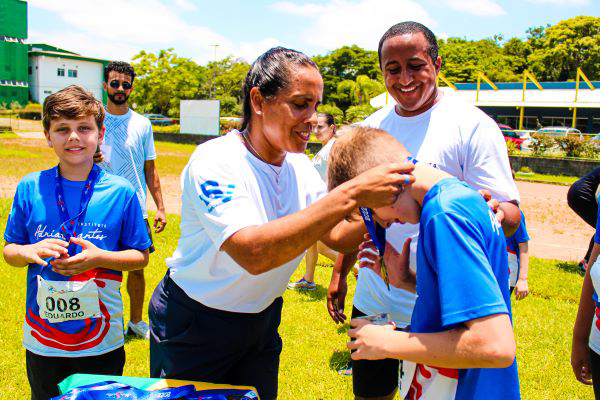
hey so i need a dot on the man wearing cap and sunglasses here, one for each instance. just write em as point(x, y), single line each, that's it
point(128, 151)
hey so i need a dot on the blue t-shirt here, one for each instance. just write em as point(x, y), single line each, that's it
point(113, 221)
point(462, 276)
point(520, 236)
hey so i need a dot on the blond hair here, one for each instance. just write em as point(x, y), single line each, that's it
point(72, 102)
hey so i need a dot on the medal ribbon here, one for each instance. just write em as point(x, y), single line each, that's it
point(377, 233)
point(68, 228)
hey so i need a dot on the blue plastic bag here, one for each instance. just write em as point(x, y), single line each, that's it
point(114, 390)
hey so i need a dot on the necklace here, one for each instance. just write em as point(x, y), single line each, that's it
point(246, 139)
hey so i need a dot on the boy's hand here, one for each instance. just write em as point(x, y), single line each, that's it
point(336, 297)
point(369, 339)
point(33, 253)
point(521, 289)
point(398, 265)
point(90, 257)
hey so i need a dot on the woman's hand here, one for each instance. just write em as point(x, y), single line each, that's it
point(380, 186)
point(580, 361)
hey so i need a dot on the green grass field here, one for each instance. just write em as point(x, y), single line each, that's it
point(314, 347)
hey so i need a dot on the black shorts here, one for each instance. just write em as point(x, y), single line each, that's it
point(373, 378)
point(151, 248)
point(595, 364)
point(45, 373)
point(191, 341)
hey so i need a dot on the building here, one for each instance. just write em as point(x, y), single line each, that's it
point(528, 106)
point(52, 68)
point(14, 81)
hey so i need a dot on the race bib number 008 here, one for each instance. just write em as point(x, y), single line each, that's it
point(61, 301)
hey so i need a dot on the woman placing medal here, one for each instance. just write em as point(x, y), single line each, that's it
point(252, 204)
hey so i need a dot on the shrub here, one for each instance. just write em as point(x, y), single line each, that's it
point(591, 149)
point(572, 145)
point(226, 125)
point(541, 143)
point(511, 147)
point(525, 170)
point(166, 128)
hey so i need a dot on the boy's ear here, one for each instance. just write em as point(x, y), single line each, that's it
point(101, 135)
point(47, 138)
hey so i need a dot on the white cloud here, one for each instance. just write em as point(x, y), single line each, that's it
point(345, 22)
point(116, 29)
point(562, 2)
point(186, 5)
point(477, 7)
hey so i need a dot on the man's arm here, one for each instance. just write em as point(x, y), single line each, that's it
point(512, 217)
point(153, 183)
point(486, 342)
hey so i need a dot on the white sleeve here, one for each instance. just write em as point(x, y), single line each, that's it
point(486, 164)
point(149, 143)
point(219, 199)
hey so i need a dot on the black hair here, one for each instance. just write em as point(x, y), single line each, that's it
point(328, 117)
point(121, 67)
point(270, 73)
point(410, 27)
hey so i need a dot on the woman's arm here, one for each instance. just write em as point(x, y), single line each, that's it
point(261, 248)
point(486, 342)
point(580, 358)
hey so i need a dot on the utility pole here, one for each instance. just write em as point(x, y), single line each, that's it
point(213, 89)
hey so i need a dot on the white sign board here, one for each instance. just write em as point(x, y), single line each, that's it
point(199, 116)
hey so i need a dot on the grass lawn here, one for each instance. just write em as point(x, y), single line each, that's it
point(541, 178)
point(314, 347)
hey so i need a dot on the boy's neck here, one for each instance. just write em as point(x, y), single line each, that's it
point(117, 109)
point(75, 172)
point(425, 178)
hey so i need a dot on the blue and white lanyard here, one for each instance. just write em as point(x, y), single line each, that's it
point(68, 227)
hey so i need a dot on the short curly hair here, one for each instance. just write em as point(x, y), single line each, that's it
point(119, 66)
point(72, 102)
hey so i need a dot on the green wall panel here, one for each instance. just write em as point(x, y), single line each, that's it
point(13, 18)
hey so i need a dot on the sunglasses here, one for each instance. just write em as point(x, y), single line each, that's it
point(115, 84)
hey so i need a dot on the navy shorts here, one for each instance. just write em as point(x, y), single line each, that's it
point(191, 341)
point(373, 378)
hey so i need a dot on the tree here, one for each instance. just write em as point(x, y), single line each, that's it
point(346, 63)
point(359, 113)
point(570, 44)
point(228, 75)
point(163, 80)
point(359, 91)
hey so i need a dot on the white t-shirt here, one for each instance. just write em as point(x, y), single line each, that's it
point(128, 143)
point(225, 189)
point(320, 159)
point(457, 138)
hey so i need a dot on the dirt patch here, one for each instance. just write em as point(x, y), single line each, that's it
point(556, 232)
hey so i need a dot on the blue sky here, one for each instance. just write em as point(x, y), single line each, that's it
point(118, 29)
